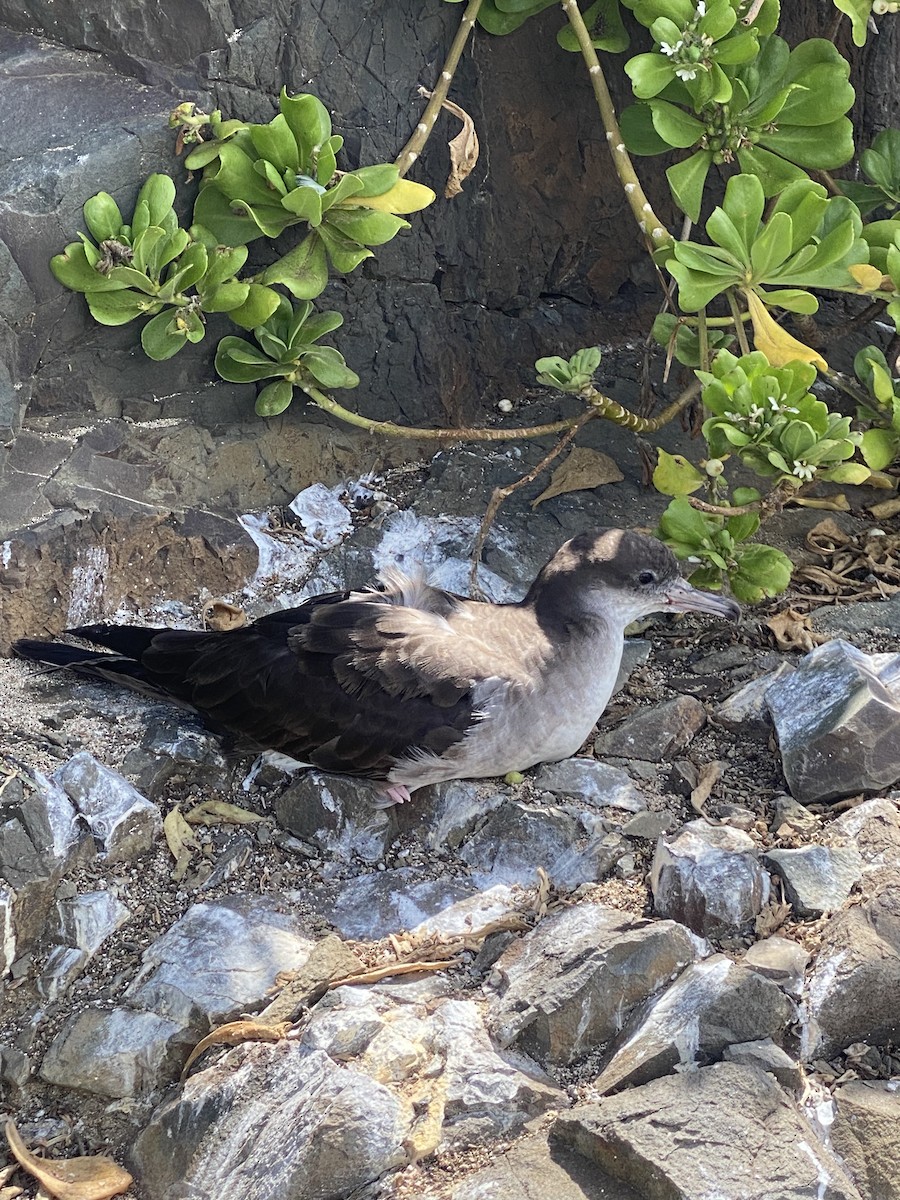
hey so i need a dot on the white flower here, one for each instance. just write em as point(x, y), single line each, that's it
point(671, 51)
point(686, 73)
point(803, 470)
point(790, 410)
point(701, 8)
point(774, 403)
point(757, 414)
point(734, 418)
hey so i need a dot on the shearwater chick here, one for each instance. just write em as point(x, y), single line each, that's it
point(410, 685)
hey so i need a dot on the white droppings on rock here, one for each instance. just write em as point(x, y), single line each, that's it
point(88, 574)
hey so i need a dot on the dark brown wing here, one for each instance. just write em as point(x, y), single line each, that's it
point(322, 683)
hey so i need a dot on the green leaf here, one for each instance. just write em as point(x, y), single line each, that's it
point(215, 213)
point(879, 447)
point(675, 126)
point(773, 171)
point(604, 23)
point(102, 216)
point(158, 193)
point(345, 255)
point(366, 225)
point(675, 476)
point(494, 19)
point(261, 302)
point(772, 246)
point(303, 270)
point(328, 368)
point(270, 220)
point(229, 364)
point(761, 571)
point(317, 327)
point(224, 297)
point(276, 144)
point(346, 186)
point(687, 180)
point(274, 398)
point(309, 122)
point(638, 131)
point(858, 11)
point(160, 338)
point(377, 179)
point(821, 146)
point(793, 300)
point(649, 74)
point(223, 263)
point(684, 524)
point(73, 271)
point(118, 308)
point(852, 473)
point(305, 203)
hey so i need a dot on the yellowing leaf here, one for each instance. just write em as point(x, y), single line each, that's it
point(95, 1177)
point(216, 812)
point(582, 470)
point(180, 840)
point(675, 476)
point(404, 197)
point(234, 1034)
point(776, 343)
point(868, 277)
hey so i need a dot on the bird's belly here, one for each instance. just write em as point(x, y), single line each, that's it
point(518, 731)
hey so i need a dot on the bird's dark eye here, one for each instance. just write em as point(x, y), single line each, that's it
point(647, 577)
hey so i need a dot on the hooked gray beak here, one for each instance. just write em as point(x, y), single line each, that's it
point(681, 596)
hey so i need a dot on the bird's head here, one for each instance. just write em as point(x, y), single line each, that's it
point(619, 575)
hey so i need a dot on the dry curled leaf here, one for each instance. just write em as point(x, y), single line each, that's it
point(885, 508)
point(235, 1033)
point(223, 617)
point(94, 1177)
point(464, 149)
point(792, 631)
point(710, 773)
point(582, 470)
point(180, 840)
point(838, 503)
point(218, 812)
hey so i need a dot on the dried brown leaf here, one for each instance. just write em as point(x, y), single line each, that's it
point(825, 537)
point(180, 840)
point(771, 917)
point(710, 773)
point(838, 503)
point(885, 508)
point(218, 812)
point(94, 1177)
point(222, 616)
point(582, 470)
point(464, 148)
point(792, 630)
point(235, 1033)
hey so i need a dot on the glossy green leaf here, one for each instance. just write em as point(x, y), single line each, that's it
point(230, 364)
point(676, 127)
point(774, 172)
point(821, 146)
point(638, 131)
point(649, 74)
point(223, 263)
point(772, 247)
point(215, 213)
point(761, 572)
point(261, 302)
point(276, 144)
point(316, 327)
point(160, 338)
point(675, 476)
point(118, 308)
point(224, 297)
point(274, 398)
point(687, 180)
point(604, 23)
point(303, 270)
point(793, 300)
point(346, 186)
point(158, 193)
point(345, 255)
point(103, 218)
point(858, 11)
point(309, 122)
point(365, 225)
point(495, 20)
point(879, 447)
point(73, 271)
point(377, 179)
point(328, 368)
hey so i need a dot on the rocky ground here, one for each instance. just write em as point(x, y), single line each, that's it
point(665, 968)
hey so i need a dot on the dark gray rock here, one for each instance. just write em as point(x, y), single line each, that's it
point(123, 823)
point(655, 734)
point(442, 815)
point(567, 986)
point(219, 960)
point(766, 1056)
point(337, 814)
point(817, 879)
point(779, 959)
point(865, 1135)
point(725, 1130)
point(857, 620)
point(372, 906)
point(836, 718)
point(651, 825)
point(518, 838)
point(708, 877)
point(852, 986)
point(790, 819)
point(713, 1004)
point(873, 828)
point(63, 966)
point(531, 1170)
point(281, 1113)
point(745, 711)
point(176, 747)
point(40, 840)
point(592, 782)
point(15, 1066)
point(86, 920)
point(116, 1052)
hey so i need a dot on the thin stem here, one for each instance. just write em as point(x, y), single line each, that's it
point(773, 502)
point(601, 406)
point(738, 321)
point(703, 338)
point(420, 135)
point(648, 222)
point(503, 493)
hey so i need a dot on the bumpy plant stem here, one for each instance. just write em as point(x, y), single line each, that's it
point(413, 147)
point(648, 222)
point(601, 406)
point(772, 503)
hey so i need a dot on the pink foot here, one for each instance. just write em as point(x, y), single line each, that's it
point(394, 793)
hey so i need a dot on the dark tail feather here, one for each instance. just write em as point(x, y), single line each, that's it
point(113, 668)
point(132, 640)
